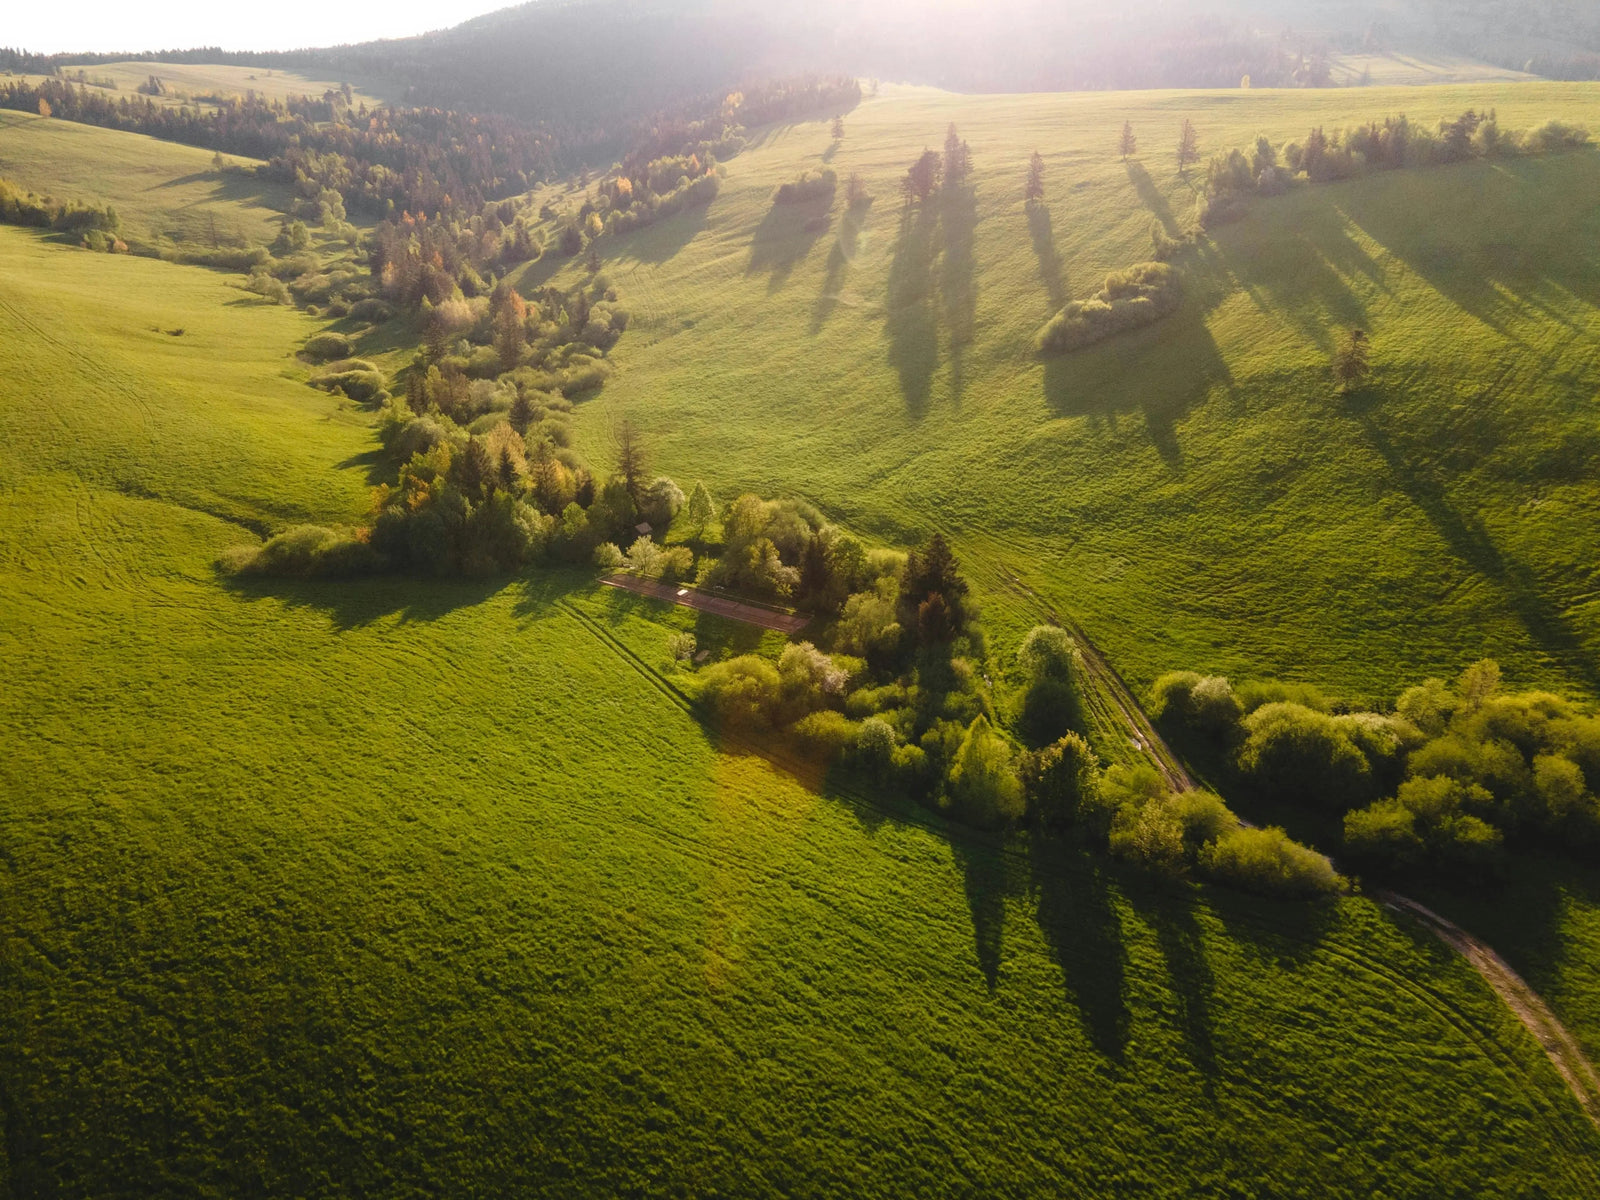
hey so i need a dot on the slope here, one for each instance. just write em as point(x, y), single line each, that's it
point(165, 194)
point(1193, 494)
point(402, 888)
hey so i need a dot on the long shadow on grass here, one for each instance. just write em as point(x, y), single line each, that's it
point(353, 603)
point(785, 236)
point(1084, 933)
point(1469, 541)
point(1151, 196)
point(657, 243)
point(1051, 272)
point(958, 279)
point(839, 260)
point(1511, 236)
point(1160, 371)
point(912, 324)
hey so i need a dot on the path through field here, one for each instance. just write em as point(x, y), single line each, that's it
point(722, 606)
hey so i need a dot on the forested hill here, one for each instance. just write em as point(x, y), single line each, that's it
point(589, 67)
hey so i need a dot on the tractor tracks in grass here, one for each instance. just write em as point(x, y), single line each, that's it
point(1525, 1004)
point(1557, 1041)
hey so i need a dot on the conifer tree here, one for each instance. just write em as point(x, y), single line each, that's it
point(1035, 188)
point(1353, 362)
point(1188, 146)
point(1127, 143)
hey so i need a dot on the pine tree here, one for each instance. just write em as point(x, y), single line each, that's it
point(629, 453)
point(838, 128)
point(1035, 188)
point(1127, 144)
point(1352, 363)
point(1188, 146)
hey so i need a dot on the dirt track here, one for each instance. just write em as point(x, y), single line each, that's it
point(734, 610)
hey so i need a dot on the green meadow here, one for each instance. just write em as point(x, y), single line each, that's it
point(165, 194)
point(1194, 493)
point(400, 888)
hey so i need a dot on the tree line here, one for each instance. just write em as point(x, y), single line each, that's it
point(1445, 782)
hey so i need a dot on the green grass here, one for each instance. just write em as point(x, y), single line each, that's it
point(186, 81)
point(1193, 493)
point(404, 888)
point(167, 195)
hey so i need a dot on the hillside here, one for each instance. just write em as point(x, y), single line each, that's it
point(1194, 493)
point(510, 914)
point(397, 886)
point(165, 194)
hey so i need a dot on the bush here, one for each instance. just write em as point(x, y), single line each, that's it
point(826, 734)
point(1302, 755)
point(607, 556)
point(807, 187)
point(361, 384)
point(1131, 299)
point(743, 692)
point(875, 743)
point(1429, 820)
point(306, 552)
point(1050, 708)
point(1203, 702)
point(1267, 861)
point(325, 347)
point(373, 310)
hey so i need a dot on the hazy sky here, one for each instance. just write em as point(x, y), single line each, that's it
point(47, 27)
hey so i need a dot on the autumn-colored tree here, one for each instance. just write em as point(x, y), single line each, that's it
point(1188, 146)
point(1127, 144)
point(1035, 186)
point(44, 107)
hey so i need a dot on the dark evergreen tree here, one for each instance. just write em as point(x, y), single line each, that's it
point(1035, 186)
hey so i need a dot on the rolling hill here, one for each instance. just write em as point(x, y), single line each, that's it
point(405, 887)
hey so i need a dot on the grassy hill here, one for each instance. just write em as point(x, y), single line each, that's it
point(164, 193)
point(1193, 493)
point(409, 888)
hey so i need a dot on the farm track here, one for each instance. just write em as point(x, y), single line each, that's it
point(1525, 1004)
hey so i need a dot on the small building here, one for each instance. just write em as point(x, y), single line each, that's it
point(643, 528)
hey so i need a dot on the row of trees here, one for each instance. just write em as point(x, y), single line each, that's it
point(1443, 782)
point(932, 170)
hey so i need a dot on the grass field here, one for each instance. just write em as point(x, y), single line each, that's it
point(186, 82)
point(166, 195)
point(1193, 493)
point(406, 888)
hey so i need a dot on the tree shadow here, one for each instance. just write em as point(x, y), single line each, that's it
point(958, 280)
point(657, 243)
point(1073, 907)
point(1490, 237)
point(840, 259)
point(378, 465)
point(1151, 196)
point(1170, 909)
point(1469, 540)
point(1051, 271)
point(1116, 375)
point(785, 236)
point(911, 322)
point(983, 878)
point(358, 602)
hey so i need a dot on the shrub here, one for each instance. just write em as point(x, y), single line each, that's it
point(1131, 299)
point(1429, 819)
point(1050, 708)
point(374, 310)
point(1149, 833)
point(807, 186)
point(742, 691)
point(680, 646)
point(1267, 861)
point(826, 734)
point(1303, 755)
point(362, 384)
point(876, 742)
point(325, 347)
point(607, 556)
point(1204, 702)
point(308, 551)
